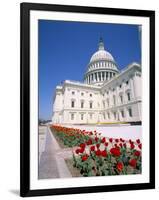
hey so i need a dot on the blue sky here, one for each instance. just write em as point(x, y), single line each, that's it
point(65, 49)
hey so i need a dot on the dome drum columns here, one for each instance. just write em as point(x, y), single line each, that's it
point(97, 77)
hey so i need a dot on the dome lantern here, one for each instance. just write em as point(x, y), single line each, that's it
point(101, 44)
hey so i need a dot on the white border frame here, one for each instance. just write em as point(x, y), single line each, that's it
point(91, 181)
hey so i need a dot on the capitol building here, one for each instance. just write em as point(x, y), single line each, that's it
point(106, 95)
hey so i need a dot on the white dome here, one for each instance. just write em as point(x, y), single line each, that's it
point(102, 66)
point(101, 55)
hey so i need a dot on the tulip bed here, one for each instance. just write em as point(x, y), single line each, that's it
point(72, 137)
point(95, 155)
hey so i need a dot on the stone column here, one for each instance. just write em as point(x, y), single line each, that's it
point(108, 76)
point(97, 76)
point(137, 86)
point(100, 76)
point(132, 87)
point(93, 77)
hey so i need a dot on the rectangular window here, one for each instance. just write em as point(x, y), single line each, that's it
point(72, 116)
point(90, 115)
point(90, 104)
point(114, 115)
point(82, 104)
point(122, 114)
point(82, 116)
point(130, 112)
point(108, 102)
point(82, 94)
point(128, 95)
point(108, 115)
point(121, 99)
point(72, 104)
point(114, 99)
point(103, 104)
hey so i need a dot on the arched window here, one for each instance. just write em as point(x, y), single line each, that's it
point(122, 113)
point(82, 116)
point(72, 103)
point(130, 112)
point(72, 116)
point(90, 104)
point(121, 98)
point(82, 104)
point(114, 99)
point(128, 96)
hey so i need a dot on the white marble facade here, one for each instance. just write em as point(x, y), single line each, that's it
point(107, 94)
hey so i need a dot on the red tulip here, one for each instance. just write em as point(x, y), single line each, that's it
point(121, 145)
point(81, 150)
point(96, 139)
point(92, 148)
point(110, 140)
point(124, 145)
point(132, 163)
point(116, 140)
point(106, 144)
point(140, 146)
point(82, 145)
point(103, 140)
point(132, 146)
point(84, 157)
point(97, 145)
point(98, 152)
point(119, 166)
point(115, 151)
point(137, 153)
point(138, 141)
point(104, 153)
point(77, 151)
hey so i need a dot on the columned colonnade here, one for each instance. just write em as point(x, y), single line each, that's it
point(99, 76)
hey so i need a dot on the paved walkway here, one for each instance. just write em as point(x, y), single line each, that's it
point(51, 161)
